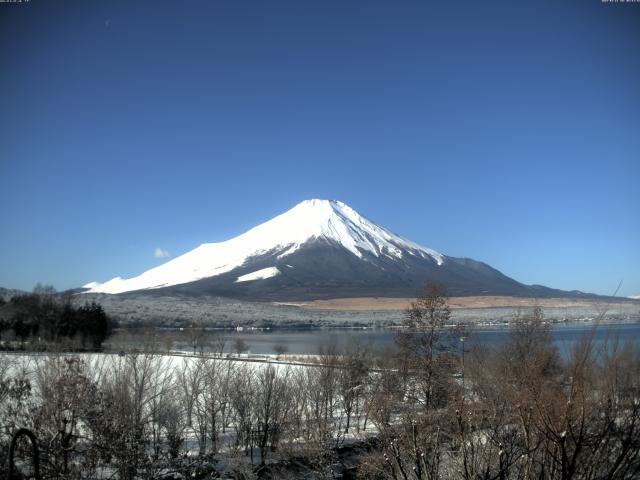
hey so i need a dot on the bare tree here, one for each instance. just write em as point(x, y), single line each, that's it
point(272, 407)
point(240, 346)
point(217, 342)
point(242, 399)
point(280, 349)
point(352, 377)
point(422, 342)
point(197, 335)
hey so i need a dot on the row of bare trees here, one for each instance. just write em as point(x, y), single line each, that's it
point(145, 415)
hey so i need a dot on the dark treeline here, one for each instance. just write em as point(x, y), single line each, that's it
point(44, 318)
point(426, 410)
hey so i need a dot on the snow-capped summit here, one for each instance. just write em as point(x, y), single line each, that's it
point(310, 220)
point(336, 221)
point(317, 249)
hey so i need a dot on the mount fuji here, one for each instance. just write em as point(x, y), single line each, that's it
point(319, 249)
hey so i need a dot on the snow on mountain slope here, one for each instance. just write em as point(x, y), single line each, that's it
point(283, 235)
point(259, 275)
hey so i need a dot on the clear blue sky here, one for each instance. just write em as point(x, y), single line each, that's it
point(504, 131)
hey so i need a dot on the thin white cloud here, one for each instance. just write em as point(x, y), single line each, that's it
point(160, 253)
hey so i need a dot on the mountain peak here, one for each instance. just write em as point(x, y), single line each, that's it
point(336, 221)
point(330, 221)
point(318, 202)
point(319, 208)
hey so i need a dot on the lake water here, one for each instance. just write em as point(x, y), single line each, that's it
point(310, 341)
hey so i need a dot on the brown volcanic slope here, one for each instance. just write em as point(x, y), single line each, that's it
point(380, 303)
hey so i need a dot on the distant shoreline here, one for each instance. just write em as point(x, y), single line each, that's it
point(306, 327)
point(176, 311)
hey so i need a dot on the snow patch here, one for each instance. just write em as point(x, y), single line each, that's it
point(290, 304)
point(259, 274)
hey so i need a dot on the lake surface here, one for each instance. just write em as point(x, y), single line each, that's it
point(310, 341)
